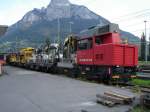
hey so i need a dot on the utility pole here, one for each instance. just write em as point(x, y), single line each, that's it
point(70, 26)
point(70, 23)
point(149, 48)
point(17, 45)
point(145, 42)
point(58, 22)
point(59, 43)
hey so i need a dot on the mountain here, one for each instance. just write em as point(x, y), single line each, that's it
point(39, 24)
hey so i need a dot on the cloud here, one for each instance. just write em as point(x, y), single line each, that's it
point(18, 9)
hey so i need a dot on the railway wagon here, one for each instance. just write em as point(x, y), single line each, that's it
point(3, 58)
point(24, 55)
point(12, 58)
point(20, 58)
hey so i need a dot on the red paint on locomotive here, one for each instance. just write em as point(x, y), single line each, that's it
point(106, 49)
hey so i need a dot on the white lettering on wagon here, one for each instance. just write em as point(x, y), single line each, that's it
point(86, 60)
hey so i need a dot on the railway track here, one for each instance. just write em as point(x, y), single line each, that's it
point(143, 75)
point(140, 76)
point(144, 72)
point(133, 85)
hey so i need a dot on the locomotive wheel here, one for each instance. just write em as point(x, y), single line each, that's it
point(43, 69)
point(107, 80)
point(73, 73)
point(37, 68)
point(46, 69)
point(59, 71)
point(52, 70)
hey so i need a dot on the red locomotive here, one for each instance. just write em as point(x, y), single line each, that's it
point(102, 56)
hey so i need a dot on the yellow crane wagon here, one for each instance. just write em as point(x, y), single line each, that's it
point(25, 55)
point(13, 58)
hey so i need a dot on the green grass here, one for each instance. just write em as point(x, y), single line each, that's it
point(140, 109)
point(144, 63)
point(141, 82)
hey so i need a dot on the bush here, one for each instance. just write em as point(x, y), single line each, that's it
point(141, 82)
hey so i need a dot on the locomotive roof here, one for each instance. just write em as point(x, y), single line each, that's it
point(99, 30)
point(88, 37)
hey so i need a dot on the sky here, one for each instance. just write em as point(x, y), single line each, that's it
point(129, 14)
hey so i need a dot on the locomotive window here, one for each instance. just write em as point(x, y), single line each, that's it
point(85, 44)
point(98, 40)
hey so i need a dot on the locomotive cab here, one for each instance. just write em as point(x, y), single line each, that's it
point(107, 38)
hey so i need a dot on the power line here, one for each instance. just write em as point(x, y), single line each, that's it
point(133, 17)
point(134, 24)
point(131, 14)
point(140, 29)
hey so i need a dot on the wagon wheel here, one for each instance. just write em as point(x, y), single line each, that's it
point(107, 79)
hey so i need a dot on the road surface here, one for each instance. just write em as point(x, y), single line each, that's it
point(29, 91)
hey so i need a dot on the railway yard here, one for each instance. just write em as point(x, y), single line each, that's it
point(30, 91)
point(66, 58)
point(93, 74)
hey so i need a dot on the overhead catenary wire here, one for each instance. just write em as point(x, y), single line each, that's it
point(134, 24)
point(133, 21)
point(139, 29)
point(132, 15)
